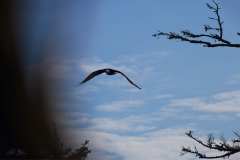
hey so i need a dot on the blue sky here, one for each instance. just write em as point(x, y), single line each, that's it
point(185, 86)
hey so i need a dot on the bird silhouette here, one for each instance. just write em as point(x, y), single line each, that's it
point(107, 71)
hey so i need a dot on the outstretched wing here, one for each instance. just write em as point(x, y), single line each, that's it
point(128, 79)
point(92, 75)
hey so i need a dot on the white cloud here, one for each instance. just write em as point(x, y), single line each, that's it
point(121, 125)
point(220, 103)
point(121, 105)
point(227, 95)
point(162, 96)
point(107, 140)
point(128, 124)
point(235, 79)
point(161, 144)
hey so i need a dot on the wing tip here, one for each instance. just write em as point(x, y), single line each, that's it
point(82, 82)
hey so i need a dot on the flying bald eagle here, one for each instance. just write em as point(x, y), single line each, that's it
point(107, 71)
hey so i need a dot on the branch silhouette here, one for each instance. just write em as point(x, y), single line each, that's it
point(226, 148)
point(212, 36)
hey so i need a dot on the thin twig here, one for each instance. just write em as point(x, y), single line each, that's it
point(215, 39)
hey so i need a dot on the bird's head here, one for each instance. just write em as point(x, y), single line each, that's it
point(108, 71)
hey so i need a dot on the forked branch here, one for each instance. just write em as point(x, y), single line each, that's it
point(224, 148)
point(213, 36)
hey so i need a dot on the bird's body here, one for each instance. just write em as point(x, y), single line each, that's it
point(107, 71)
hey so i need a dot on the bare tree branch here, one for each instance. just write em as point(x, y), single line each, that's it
point(211, 39)
point(213, 36)
point(221, 146)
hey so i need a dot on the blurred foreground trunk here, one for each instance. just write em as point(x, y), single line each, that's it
point(25, 119)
